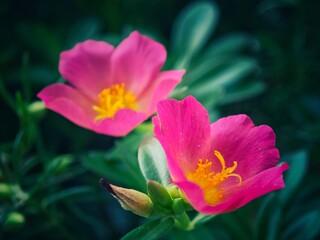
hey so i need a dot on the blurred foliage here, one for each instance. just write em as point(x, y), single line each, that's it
point(255, 57)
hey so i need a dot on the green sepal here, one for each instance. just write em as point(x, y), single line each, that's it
point(159, 194)
point(178, 206)
point(173, 191)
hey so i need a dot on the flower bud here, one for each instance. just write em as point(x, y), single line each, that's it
point(173, 191)
point(129, 199)
point(178, 205)
point(159, 194)
point(37, 109)
point(5, 190)
point(15, 220)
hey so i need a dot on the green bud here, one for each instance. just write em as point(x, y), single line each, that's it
point(178, 206)
point(187, 205)
point(130, 199)
point(159, 194)
point(173, 191)
point(36, 109)
point(15, 220)
point(5, 190)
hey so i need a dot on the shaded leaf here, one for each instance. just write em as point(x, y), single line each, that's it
point(192, 30)
point(152, 161)
point(103, 166)
point(230, 44)
point(69, 193)
point(305, 227)
point(83, 30)
point(293, 177)
point(151, 230)
point(248, 91)
point(230, 75)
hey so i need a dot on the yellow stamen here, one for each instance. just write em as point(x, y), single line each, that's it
point(113, 99)
point(209, 181)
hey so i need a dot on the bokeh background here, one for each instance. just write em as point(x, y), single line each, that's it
point(261, 58)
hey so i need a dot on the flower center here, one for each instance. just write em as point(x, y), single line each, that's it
point(113, 99)
point(209, 181)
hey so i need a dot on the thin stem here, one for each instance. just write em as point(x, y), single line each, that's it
point(4, 94)
point(199, 219)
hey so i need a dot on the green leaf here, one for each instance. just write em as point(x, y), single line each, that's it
point(119, 165)
point(151, 230)
point(192, 30)
point(263, 215)
point(41, 39)
point(60, 163)
point(304, 227)
point(225, 78)
point(6, 96)
point(152, 161)
point(202, 68)
point(69, 193)
point(248, 91)
point(274, 224)
point(298, 166)
point(230, 44)
point(83, 30)
point(112, 169)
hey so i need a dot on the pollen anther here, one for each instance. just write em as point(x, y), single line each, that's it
point(112, 99)
point(209, 181)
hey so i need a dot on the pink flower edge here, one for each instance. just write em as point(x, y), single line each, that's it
point(261, 184)
point(92, 66)
point(69, 103)
point(184, 130)
point(160, 89)
point(87, 66)
point(182, 140)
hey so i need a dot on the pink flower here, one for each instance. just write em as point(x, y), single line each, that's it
point(111, 90)
point(220, 166)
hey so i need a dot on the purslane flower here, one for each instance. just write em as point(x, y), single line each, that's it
point(111, 90)
point(220, 166)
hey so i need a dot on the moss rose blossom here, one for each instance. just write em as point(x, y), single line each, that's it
point(111, 90)
point(220, 166)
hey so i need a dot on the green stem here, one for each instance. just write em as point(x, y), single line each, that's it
point(199, 219)
point(182, 221)
point(4, 94)
point(26, 88)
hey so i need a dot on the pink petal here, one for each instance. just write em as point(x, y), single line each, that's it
point(137, 61)
point(239, 140)
point(66, 101)
point(87, 66)
point(260, 184)
point(184, 132)
point(160, 89)
point(124, 121)
point(173, 166)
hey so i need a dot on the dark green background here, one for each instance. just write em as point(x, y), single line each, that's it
point(46, 156)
